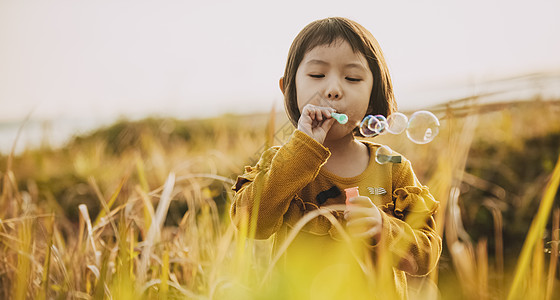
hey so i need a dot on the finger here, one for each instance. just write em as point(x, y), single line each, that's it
point(360, 201)
point(354, 210)
point(327, 124)
point(364, 230)
point(309, 106)
point(319, 114)
point(327, 111)
point(306, 118)
point(366, 222)
point(309, 109)
point(306, 112)
point(359, 212)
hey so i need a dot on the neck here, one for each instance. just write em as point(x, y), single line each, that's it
point(342, 146)
point(349, 157)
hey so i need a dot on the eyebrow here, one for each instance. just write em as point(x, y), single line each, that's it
point(317, 62)
point(324, 63)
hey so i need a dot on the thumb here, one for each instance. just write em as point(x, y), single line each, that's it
point(327, 124)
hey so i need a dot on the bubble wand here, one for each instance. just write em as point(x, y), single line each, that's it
point(341, 118)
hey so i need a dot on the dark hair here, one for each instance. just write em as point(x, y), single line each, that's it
point(325, 32)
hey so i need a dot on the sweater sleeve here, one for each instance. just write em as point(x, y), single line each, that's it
point(408, 224)
point(264, 192)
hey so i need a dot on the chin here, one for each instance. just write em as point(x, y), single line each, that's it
point(338, 131)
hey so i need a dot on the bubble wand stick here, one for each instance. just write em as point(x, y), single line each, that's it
point(341, 118)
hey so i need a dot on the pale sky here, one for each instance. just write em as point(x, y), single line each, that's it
point(84, 59)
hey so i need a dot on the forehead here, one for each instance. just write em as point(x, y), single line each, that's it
point(338, 50)
point(337, 53)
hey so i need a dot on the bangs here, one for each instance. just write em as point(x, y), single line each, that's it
point(330, 31)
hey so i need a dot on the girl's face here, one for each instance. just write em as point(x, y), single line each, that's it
point(335, 76)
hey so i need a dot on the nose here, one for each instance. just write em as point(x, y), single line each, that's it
point(333, 91)
point(334, 94)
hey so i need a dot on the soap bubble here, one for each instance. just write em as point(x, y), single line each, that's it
point(396, 122)
point(383, 155)
point(373, 125)
point(423, 127)
point(364, 127)
point(378, 124)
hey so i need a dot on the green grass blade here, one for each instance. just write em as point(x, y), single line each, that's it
point(43, 292)
point(107, 209)
point(164, 286)
point(535, 234)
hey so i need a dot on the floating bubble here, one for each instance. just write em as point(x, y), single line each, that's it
point(365, 127)
point(383, 155)
point(373, 125)
point(423, 127)
point(379, 125)
point(396, 122)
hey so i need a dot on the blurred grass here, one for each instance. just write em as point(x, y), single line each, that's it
point(154, 196)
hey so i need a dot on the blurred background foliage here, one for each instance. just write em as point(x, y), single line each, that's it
point(514, 150)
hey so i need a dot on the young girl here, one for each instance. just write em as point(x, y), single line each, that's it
point(336, 65)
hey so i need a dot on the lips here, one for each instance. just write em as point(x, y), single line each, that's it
point(337, 110)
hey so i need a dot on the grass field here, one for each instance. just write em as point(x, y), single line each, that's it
point(139, 210)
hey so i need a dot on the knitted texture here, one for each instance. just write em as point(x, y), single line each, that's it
point(289, 181)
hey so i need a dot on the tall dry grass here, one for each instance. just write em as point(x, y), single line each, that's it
point(148, 218)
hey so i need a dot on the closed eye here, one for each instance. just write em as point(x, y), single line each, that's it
point(317, 75)
point(353, 79)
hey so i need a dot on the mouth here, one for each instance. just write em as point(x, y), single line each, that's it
point(337, 110)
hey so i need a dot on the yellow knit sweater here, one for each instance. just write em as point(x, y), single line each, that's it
point(289, 181)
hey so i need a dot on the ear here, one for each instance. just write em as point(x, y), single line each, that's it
point(281, 82)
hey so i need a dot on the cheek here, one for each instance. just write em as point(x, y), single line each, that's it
point(299, 102)
point(299, 88)
point(367, 89)
point(359, 107)
point(358, 113)
point(306, 93)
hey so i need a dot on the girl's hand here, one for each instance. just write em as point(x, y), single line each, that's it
point(363, 219)
point(316, 121)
